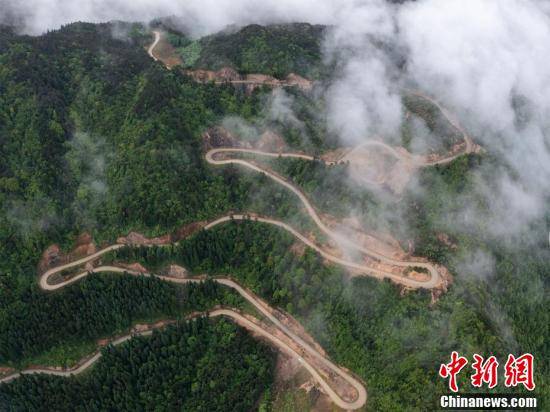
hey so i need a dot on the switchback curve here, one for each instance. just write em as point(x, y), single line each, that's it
point(435, 277)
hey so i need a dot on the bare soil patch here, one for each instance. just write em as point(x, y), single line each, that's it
point(382, 243)
point(296, 327)
point(51, 257)
point(251, 81)
point(177, 271)
point(344, 389)
point(286, 368)
point(294, 79)
point(4, 370)
point(136, 267)
point(54, 256)
point(419, 276)
point(188, 230)
point(335, 155)
point(137, 239)
point(376, 165)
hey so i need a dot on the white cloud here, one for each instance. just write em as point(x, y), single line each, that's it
point(480, 57)
point(204, 16)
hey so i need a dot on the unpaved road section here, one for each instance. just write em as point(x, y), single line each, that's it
point(154, 44)
point(378, 273)
point(435, 278)
point(415, 160)
point(403, 155)
point(254, 300)
point(224, 75)
point(238, 319)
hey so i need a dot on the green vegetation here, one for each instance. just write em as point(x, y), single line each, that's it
point(239, 245)
point(190, 53)
point(98, 306)
point(97, 137)
point(301, 127)
point(200, 365)
point(188, 49)
point(436, 211)
point(177, 40)
point(65, 354)
point(515, 298)
point(330, 189)
point(308, 132)
point(275, 50)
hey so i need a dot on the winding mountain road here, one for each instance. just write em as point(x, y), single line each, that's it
point(255, 301)
point(434, 281)
point(292, 80)
point(262, 307)
point(418, 161)
point(470, 145)
point(435, 278)
point(242, 321)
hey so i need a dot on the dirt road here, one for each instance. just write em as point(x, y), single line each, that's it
point(154, 44)
point(371, 271)
point(262, 307)
point(413, 159)
point(418, 161)
point(240, 320)
point(435, 278)
point(207, 76)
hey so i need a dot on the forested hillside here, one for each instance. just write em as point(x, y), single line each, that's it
point(96, 136)
point(275, 50)
point(200, 365)
point(99, 306)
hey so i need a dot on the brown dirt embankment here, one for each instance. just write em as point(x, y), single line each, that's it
point(54, 256)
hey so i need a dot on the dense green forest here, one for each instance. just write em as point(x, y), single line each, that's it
point(276, 50)
point(95, 136)
point(521, 268)
point(99, 306)
point(178, 369)
point(307, 130)
point(330, 189)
